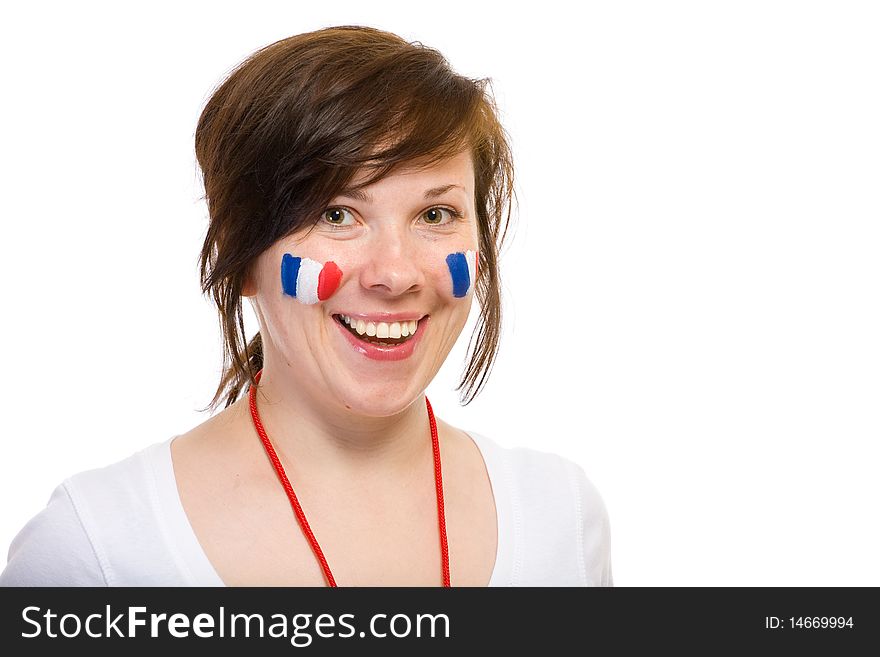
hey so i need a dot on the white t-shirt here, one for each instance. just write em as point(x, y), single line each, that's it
point(124, 525)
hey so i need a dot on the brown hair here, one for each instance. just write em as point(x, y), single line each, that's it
point(292, 125)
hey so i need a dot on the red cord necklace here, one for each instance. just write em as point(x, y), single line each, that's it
point(301, 517)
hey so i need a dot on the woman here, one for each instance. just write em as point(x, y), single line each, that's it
point(358, 192)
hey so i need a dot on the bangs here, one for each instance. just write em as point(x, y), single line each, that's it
point(423, 117)
point(422, 130)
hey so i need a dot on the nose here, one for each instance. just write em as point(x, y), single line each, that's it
point(391, 263)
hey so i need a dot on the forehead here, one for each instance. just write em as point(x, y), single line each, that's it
point(455, 173)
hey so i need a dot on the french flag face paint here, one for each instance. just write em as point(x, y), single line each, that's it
point(463, 269)
point(307, 280)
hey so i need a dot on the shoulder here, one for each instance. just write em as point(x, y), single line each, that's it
point(73, 541)
point(560, 512)
point(53, 549)
point(541, 473)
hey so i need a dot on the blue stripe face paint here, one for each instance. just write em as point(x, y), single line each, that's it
point(289, 272)
point(463, 270)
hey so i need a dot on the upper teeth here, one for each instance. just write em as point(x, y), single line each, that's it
point(382, 329)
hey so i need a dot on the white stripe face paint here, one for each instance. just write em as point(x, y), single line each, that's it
point(307, 281)
point(471, 257)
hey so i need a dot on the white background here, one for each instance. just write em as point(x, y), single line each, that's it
point(691, 294)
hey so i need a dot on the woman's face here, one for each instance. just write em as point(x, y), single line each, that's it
point(391, 241)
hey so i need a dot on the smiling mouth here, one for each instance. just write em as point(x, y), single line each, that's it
point(380, 333)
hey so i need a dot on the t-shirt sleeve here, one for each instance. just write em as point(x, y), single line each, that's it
point(595, 531)
point(53, 549)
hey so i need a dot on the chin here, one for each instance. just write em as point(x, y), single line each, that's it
point(384, 402)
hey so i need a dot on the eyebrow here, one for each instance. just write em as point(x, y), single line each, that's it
point(361, 195)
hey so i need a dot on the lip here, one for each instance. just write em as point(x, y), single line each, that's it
point(374, 351)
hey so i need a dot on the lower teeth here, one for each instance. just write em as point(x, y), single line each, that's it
point(381, 343)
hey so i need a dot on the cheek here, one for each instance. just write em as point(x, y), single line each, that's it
point(463, 268)
point(309, 281)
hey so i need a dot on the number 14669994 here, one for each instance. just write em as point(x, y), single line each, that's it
point(809, 622)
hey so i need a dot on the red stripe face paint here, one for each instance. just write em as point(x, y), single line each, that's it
point(328, 280)
point(309, 281)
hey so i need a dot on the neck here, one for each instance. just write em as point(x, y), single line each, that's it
point(330, 438)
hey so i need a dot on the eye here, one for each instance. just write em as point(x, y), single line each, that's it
point(434, 216)
point(337, 216)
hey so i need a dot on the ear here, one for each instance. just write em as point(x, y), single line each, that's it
point(248, 287)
